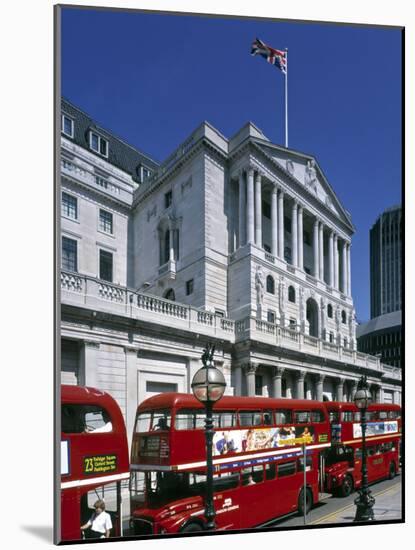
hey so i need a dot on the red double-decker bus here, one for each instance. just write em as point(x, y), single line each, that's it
point(258, 461)
point(94, 458)
point(343, 459)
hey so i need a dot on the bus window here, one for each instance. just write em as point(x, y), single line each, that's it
point(225, 481)
point(347, 416)
point(161, 420)
point(137, 486)
point(356, 416)
point(189, 419)
point(382, 415)
point(224, 419)
point(250, 418)
point(270, 471)
point(85, 418)
point(287, 469)
point(358, 454)
point(143, 422)
point(301, 417)
point(317, 416)
point(394, 415)
point(267, 418)
point(370, 415)
point(308, 462)
point(283, 417)
point(334, 416)
point(252, 475)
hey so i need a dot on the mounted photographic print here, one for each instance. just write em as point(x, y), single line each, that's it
point(230, 263)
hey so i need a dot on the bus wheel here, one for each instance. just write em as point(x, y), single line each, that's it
point(191, 528)
point(308, 502)
point(347, 486)
point(392, 470)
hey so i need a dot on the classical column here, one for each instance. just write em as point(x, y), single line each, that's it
point(321, 251)
point(171, 243)
point(344, 268)
point(277, 381)
point(315, 250)
point(294, 235)
point(250, 370)
point(353, 389)
point(250, 205)
point(300, 384)
point(242, 208)
point(336, 263)
point(349, 271)
point(131, 389)
point(238, 380)
point(300, 238)
point(319, 386)
point(281, 224)
point(258, 210)
point(89, 362)
point(331, 258)
point(339, 389)
point(274, 221)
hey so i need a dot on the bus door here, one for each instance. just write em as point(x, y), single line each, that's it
point(111, 495)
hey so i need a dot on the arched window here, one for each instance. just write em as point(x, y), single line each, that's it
point(343, 317)
point(169, 295)
point(270, 285)
point(291, 294)
point(330, 311)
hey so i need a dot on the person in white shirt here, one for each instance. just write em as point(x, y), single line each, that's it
point(99, 524)
point(107, 427)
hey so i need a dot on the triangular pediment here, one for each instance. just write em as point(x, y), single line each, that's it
point(307, 172)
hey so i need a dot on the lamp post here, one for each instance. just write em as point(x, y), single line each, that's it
point(365, 501)
point(208, 386)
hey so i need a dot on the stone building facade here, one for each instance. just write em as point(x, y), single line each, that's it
point(236, 241)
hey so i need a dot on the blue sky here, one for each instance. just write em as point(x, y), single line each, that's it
point(152, 78)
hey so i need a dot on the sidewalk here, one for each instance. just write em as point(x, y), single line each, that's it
point(387, 506)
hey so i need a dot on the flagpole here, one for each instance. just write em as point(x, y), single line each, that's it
point(286, 97)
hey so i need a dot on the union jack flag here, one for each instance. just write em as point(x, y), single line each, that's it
point(273, 56)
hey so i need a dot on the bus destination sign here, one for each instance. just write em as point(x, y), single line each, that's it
point(100, 464)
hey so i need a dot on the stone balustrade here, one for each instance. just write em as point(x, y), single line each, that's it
point(96, 294)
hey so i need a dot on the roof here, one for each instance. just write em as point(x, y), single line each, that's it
point(350, 406)
point(383, 322)
point(120, 154)
point(187, 400)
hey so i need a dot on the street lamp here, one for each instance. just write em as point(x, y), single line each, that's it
point(208, 386)
point(365, 501)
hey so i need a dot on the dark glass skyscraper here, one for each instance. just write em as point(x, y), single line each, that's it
point(386, 263)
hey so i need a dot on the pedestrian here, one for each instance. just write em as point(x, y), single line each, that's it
point(99, 524)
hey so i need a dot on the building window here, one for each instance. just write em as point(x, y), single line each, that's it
point(258, 384)
point(189, 287)
point(331, 337)
point(98, 144)
point(144, 173)
point(307, 238)
point(270, 285)
point(293, 323)
point(287, 224)
point(69, 206)
point(168, 199)
point(219, 313)
point(69, 254)
point(291, 294)
point(105, 265)
point(345, 342)
point(330, 311)
point(267, 248)
point(343, 317)
point(67, 126)
point(271, 316)
point(266, 209)
point(169, 295)
point(105, 221)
